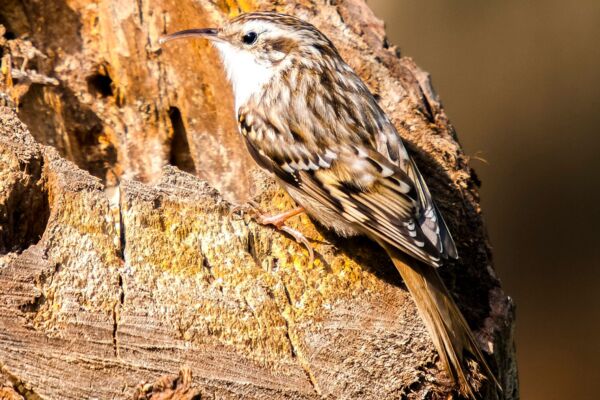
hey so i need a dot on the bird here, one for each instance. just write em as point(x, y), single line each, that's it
point(308, 119)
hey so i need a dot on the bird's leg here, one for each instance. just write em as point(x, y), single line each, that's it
point(278, 220)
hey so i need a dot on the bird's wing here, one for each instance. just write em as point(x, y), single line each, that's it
point(365, 188)
point(388, 143)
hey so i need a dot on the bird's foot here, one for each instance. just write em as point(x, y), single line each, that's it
point(278, 221)
point(250, 208)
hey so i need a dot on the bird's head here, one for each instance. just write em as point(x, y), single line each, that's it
point(256, 47)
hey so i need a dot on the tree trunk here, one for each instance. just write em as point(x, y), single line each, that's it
point(123, 258)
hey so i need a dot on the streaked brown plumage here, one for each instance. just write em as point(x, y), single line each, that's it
point(311, 121)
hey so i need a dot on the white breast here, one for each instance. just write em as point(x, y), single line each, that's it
point(246, 74)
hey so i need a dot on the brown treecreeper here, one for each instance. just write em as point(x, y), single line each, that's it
point(309, 119)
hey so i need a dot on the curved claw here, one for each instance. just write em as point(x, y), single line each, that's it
point(300, 238)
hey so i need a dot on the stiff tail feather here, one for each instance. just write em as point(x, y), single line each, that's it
point(449, 331)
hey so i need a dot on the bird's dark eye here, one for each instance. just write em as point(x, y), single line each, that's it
point(249, 37)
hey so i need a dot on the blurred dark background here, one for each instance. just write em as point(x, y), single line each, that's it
point(520, 80)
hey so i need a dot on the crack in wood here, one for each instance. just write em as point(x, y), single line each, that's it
point(140, 5)
point(116, 312)
point(116, 208)
point(297, 353)
point(19, 385)
point(122, 238)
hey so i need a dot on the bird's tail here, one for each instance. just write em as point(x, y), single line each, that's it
point(449, 331)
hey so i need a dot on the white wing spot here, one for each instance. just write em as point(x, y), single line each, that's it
point(323, 163)
point(286, 167)
point(386, 172)
point(330, 154)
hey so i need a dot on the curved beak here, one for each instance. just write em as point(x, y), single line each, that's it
point(206, 33)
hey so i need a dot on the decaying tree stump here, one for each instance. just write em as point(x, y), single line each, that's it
point(124, 259)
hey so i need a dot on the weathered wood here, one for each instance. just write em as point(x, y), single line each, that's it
point(121, 278)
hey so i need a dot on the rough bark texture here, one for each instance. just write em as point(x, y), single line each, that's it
point(120, 261)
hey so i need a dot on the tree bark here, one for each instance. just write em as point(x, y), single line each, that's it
point(123, 257)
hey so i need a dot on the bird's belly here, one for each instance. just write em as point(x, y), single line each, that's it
point(327, 217)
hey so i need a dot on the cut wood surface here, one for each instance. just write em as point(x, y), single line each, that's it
point(125, 257)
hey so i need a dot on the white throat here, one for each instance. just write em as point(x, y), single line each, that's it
point(246, 74)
